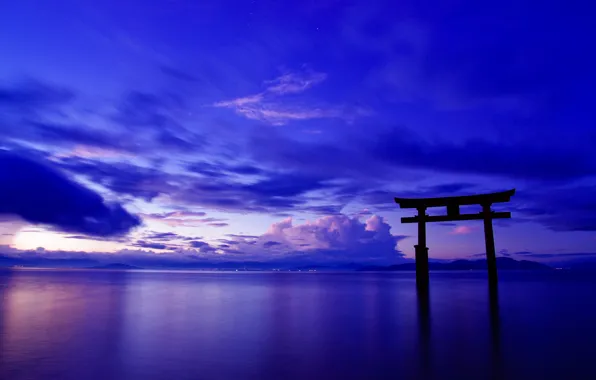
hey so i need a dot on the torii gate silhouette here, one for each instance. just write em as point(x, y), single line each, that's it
point(453, 214)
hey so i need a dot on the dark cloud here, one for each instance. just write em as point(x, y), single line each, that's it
point(212, 220)
point(275, 192)
point(63, 134)
point(269, 244)
point(197, 244)
point(222, 170)
point(163, 236)
point(228, 241)
point(121, 177)
point(569, 208)
point(240, 236)
point(505, 252)
point(518, 160)
point(202, 246)
point(178, 214)
point(47, 114)
point(449, 188)
point(41, 195)
point(97, 238)
point(218, 224)
point(523, 253)
point(28, 96)
point(151, 245)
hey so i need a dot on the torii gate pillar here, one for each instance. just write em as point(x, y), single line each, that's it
point(453, 214)
point(421, 251)
point(489, 241)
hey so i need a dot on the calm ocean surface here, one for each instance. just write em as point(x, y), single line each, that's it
point(168, 325)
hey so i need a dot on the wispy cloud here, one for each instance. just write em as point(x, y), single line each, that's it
point(239, 102)
point(462, 230)
point(266, 106)
point(292, 83)
point(185, 219)
point(276, 115)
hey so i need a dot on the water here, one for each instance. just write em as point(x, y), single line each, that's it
point(160, 325)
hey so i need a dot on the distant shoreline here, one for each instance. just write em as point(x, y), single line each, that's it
point(503, 264)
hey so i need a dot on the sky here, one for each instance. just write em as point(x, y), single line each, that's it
point(184, 131)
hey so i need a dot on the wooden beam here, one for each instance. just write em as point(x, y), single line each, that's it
point(447, 218)
point(452, 209)
point(499, 197)
point(489, 238)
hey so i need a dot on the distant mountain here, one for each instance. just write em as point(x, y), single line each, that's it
point(503, 263)
point(42, 262)
point(116, 266)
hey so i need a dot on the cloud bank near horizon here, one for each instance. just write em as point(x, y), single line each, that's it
point(42, 196)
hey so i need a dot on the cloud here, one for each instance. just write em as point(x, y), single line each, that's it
point(462, 230)
point(218, 224)
point(185, 219)
point(271, 191)
point(563, 208)
point(240, 236)
point(295, 82)
point(266, 106)
point(279, 115)
point(33, 95)
point(531, 160)
point(145, 244)
point(121, 177)
point(332, 240)
point(40, 195)
point(239, 102)
point(202, 246)
point(181, 214)
point(162, 236)
point(329, 239)
point(197, 244)
point(117, 239)
point(223, 170)
point(270, 244)
point(44, 114)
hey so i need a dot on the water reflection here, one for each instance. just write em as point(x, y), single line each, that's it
point(495, 328)
point(429, 369)
point(119, 325)
point(424, 329)
point(52, 319)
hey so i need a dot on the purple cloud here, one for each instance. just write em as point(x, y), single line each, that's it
point(146, 244)
point(267, 106)
point(329, 239)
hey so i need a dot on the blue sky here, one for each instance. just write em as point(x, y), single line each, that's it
point(260, 130)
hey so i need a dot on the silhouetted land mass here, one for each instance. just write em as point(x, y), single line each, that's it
point(503, 263)
point(8, 261)
point(116, 266)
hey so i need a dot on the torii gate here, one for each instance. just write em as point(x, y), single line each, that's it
point(453, 214)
